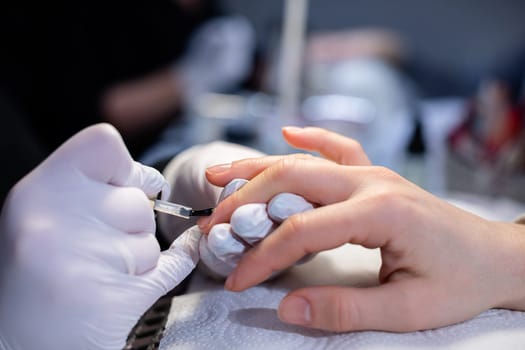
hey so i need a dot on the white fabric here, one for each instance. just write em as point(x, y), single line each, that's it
point(251, 222)
point(284, 205)
point(208, 317)
point(80, 263)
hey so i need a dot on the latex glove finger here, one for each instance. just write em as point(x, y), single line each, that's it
point(210, 264)
point(87, 153)
point(126, 297)
point(251, 222)
point(225, 244)
point(176, 262)
point(216, 260)
point(140, 252)
point(125, 253)
point(124, 208)
point(149, 180)
point(231, 187)
point(284, 205)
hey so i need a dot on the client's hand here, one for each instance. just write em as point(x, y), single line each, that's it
point(440, 264)
point(79, 262)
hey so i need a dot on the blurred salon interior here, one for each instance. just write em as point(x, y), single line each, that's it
point(431, 89)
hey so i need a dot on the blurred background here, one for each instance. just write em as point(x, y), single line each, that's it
point(432, 89)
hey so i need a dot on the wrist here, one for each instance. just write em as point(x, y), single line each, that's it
point(513, 240)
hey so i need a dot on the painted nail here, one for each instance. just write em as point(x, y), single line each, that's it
point(217, 169)
point(203, 223)
point(295, 310)
point(293, 129)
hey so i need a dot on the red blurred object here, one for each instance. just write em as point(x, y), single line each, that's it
point(492, 128)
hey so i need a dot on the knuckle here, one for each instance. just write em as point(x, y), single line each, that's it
point(138, 208)
point(347, 315)
point(354, 145)
point(385, 173)
point(247, 163)
point(400, 203)
point(391, 203)
point(135, 193)
point(149, 253)
point(285, 166)
point(350, 144)
point(354, 151)
point(302, 156)
point(106, 136)
point(231, 203)
point(141, 201)
point(293, 230)
point(294, 226)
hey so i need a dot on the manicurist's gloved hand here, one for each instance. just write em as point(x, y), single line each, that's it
point(79, 261)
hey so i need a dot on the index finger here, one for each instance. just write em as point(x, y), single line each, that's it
point(318, 182)
point(248, 168)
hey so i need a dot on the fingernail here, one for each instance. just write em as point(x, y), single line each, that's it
point(293, 129)
point(295, 310)
point(217, 169)
point(230, 281)
point(203, 223)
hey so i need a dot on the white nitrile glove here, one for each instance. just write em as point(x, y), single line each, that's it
point(224, 246)
point(79, 261)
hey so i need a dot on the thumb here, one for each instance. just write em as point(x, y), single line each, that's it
point(176, 262)
point(99, 153)
point(389, 307)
